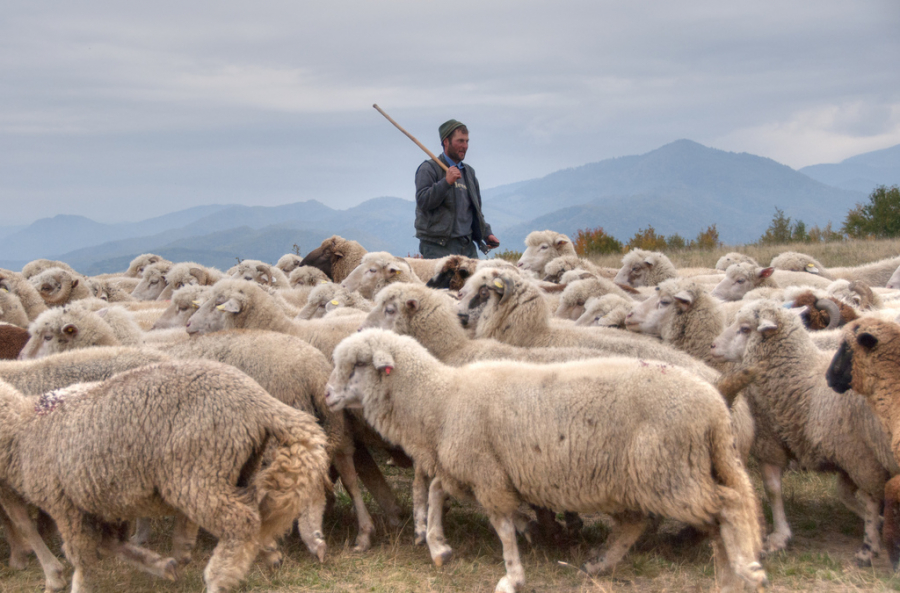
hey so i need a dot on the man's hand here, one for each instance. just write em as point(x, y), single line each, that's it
point(453, 175)
point(492, 241)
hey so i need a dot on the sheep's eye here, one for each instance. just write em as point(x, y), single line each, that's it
point(744, 330)
point(665, 303)
point(740, 280)
point(359, 365)
point(372, 270)
point(182, 308)
point(390, 309)
point(580, 303)
point(48, 337)
point(635, 268)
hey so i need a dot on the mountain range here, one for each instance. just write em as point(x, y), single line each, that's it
point(682, 187)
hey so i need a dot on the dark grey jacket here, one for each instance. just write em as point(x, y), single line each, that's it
point(436, 203)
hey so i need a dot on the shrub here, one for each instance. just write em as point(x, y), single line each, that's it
point(509, 255)
point(826, 235)
point(880, 218)
point(707, 240)
point(595, 242)
point(647, 239)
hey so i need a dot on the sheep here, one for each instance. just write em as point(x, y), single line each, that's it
point(58, 286)
point(186, 274)
point(236, 304)
point(336, 256)
point(11, 309)
point(153, 281)
point(484, 432)
point(894, 281)
point(867, 363)
point(137, 265)
point(71, 327)
point(28, 296)
point(376, 270)
point(295, 373)
point(327, 297)
point(255, 270)
point(110, 290)
point(453, 272)
point(33, 268)
point(555, 268)
point(307, 276)
point(541, 247)
point(609, 310)
point(513, 312)
point(191, 433)
point(734, 258)
point(12, 339)
point(576, 294)
point(742, 278)
point(874, 274)
point(792, 402)
point(184, 302)
point(289, 262)
point(821, 312)
point(857, 294)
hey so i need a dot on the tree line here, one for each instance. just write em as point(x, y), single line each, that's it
point(879, 218)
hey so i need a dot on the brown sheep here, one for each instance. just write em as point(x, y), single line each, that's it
point(12, 340)
point(868, 362)
point(336, 256)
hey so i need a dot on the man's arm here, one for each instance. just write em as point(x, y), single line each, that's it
point(432, 186)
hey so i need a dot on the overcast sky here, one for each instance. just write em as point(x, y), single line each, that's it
point(121, 110)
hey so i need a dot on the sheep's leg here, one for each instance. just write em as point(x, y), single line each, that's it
point(142, 558)
point(871, 539)
point(628, 527)
point(18, 547)
point(19, 518)
point(892, 520)
point(374, 481)
point(736, 545)
point(229, 564)
point(846, 493)
point(344, 463)
point(437, 544)
point(80, 546)
point(184, 537)
point(310, 525)
point(515, 573)
point(781, 534)
point(141, 531)
point(420, 504)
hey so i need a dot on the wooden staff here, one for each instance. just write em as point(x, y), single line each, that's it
point(411, 137)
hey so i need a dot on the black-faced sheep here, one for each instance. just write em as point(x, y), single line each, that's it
point(868, 362)
point(453, 272)
point(483, 430)
point(160, 416)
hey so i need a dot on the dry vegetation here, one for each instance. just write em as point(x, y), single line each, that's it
point(839, 253)
point(820, 559)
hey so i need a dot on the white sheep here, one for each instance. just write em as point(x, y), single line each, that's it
point(609, 310)
point(139, 263)
point(541, 247)
point(741, 278)
point(791, 400)
point(574, 297)
point(328, 297)
point(877, 273)
point(28, 296)
point(188, 432)
point(258, 271)
point(734, 258)
point(58, 286)
point(153, 281)
point(182, 305)
point(484, 431)
point(188, 274)
point(376, 270)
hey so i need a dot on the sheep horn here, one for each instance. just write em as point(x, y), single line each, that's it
point(265, 270)
point(834, 312)
point(508, 286)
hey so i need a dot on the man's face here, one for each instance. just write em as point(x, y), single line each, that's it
point(456, 145)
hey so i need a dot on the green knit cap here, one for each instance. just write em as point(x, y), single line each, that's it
point(448, 126)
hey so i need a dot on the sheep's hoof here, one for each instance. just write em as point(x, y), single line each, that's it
point(170, 570)
point(443, 558)
point(864, 556)
point(776, 542)
point(320, 550)
point(420, 538)
point(56, 580)
point(363, 543)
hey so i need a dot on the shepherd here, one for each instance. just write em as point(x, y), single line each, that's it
point(448, 201)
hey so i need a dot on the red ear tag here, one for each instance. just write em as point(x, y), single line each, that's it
point(387, 370)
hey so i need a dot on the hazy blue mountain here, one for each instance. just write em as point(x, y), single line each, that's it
point(863, 172)
point(682, 188)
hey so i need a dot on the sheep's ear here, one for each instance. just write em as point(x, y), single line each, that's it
point(230, 306)
point(392, 270)
point(560, 241)
point(767, 327)
point(684, 300)
point(102, 312)
point(765, 272)
point(867, 340)
point(74, 283)
point(649, 261)
point(383, 361)
point(70, 330)
point(798, 311)
point(811, 268)
point(338, 254)
point(412, 304)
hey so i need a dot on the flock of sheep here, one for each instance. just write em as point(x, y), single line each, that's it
point(223, 398)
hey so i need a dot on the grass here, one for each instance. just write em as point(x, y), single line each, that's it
point(842, 253)
point(820, 558)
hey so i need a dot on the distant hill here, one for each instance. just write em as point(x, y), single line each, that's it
point(863, 172)
point(682, 187)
